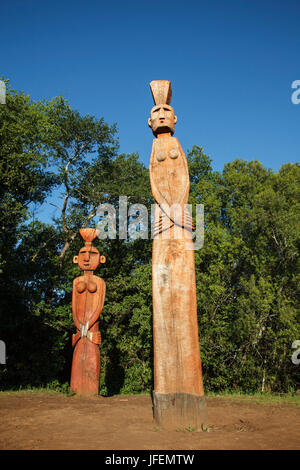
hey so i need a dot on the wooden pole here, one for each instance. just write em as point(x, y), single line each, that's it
point(178, 396)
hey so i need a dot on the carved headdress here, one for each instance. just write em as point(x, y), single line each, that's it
point(161, 91)
point(88, 234)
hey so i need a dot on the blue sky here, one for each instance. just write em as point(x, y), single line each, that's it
point(231, 64)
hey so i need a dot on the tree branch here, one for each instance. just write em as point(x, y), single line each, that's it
point(64, 208)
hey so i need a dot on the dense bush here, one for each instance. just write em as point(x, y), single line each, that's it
point(247, 271)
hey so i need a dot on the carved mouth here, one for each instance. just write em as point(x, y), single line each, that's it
point(163, 128)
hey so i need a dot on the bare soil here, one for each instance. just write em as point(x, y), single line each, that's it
point(49, 421)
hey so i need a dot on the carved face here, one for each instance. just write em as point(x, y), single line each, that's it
point(88, 258)
point(162, 119)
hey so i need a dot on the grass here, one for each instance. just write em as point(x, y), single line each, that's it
point(191, 428)
point(261, 398)
point(52, 387)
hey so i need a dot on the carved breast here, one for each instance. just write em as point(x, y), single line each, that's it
point(83, 286)
point(88, 297)
point(168, 171)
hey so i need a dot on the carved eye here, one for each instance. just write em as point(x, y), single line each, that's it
point(161, 156)
point(174, 153)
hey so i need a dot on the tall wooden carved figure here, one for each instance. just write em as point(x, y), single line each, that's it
point(87, 303)
point(178, 397)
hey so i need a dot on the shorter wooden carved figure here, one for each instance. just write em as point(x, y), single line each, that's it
point(87, 303)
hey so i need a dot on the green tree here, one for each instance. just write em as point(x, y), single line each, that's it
point(25, 182)
point(247, 272)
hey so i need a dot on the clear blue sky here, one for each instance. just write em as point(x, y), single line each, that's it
point(231, 64)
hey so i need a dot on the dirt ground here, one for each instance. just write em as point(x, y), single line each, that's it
point(48, 421)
